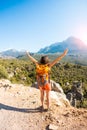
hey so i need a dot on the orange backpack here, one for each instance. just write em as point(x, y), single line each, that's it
point(43, 73)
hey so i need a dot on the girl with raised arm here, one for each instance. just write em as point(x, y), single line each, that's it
point(42, 69)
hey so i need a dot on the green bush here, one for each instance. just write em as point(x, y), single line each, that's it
point(84, 103)
point(3, 72)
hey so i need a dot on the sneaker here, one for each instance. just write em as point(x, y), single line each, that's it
point(41, 108)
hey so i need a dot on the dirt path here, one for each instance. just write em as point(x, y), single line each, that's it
point(19, 110)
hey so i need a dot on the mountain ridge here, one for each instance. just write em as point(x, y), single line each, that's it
point(11, 53)
point(72, 43)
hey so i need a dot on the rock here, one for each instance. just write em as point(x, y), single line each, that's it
point(19, 111)
point(56, 87)
point(5, 84)
point(35, 85)
point(52, 127)
point(60, 99)
point(75, 94)
point(11, 74)
point(5, 81)
point(58, 94)
point(67, 83)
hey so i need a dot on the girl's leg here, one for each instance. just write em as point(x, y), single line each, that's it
point(42, 96)
point(48, 98)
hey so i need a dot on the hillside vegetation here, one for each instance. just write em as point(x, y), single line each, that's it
point(64, 73)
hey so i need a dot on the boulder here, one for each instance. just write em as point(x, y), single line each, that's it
point(56, 87)
point(53, 127)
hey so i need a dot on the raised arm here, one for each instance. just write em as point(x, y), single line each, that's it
point(58, 58)
point(31, 58)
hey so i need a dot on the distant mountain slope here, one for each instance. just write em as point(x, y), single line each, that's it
point(72, 43)
point(12, 53)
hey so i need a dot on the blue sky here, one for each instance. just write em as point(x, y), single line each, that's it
point(34, 24)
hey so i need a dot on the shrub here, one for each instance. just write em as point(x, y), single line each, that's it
point(3, 72)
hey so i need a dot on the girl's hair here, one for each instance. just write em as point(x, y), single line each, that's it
point(44, 60)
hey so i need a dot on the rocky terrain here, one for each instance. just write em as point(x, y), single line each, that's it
point(19, 110)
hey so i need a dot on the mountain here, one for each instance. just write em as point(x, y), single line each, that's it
point(72, 43)
point(11, 53)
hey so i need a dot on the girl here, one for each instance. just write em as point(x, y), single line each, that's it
point(42, 69)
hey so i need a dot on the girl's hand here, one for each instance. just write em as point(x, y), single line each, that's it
point(28, 54)
point(65, 52)
point(32, 59)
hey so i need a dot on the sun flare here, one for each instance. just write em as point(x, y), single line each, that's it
point(85, 40)
point(81, 33)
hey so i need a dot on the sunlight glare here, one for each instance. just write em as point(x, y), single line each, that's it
point(81, 33)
